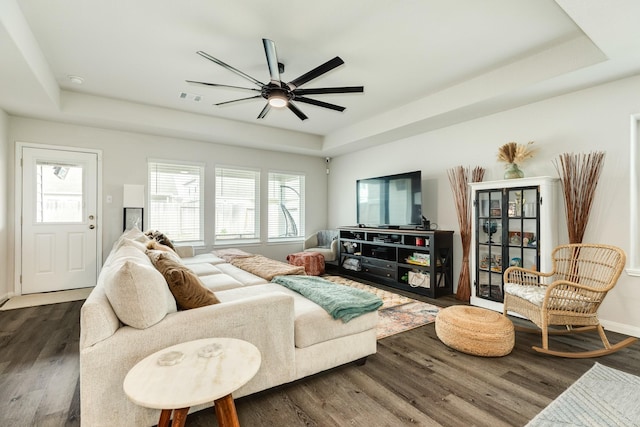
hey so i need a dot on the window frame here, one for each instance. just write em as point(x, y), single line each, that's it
point(301, 226)
point(199, 240)
point(633, 268)
point(255, 237)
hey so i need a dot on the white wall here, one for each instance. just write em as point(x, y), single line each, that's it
point(588, 120)
point(125, 162)
point(5, 276)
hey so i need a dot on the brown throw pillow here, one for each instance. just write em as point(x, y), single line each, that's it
point(185, 286)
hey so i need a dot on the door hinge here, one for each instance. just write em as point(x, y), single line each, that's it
point(540, 201)
point(21, 279)
point(475, 203)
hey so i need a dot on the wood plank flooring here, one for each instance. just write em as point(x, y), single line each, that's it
point(413, 380)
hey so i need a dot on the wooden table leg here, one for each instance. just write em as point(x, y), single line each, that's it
point(165, 418)
point(226, 412)
point(179, 417)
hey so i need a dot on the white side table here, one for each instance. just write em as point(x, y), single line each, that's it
point(192, 373)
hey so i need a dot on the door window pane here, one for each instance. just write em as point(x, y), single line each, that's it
point(58, 193)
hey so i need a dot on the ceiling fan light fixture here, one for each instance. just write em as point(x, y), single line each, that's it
point(278, 100)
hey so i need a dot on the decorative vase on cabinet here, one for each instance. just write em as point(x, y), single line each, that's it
point(513, 171)
point(514, 222)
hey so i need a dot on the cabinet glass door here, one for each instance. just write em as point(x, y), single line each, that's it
point(489, 234)
point(523, 227)
point(507, 230)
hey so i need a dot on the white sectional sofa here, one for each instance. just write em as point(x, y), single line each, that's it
point(295, 336)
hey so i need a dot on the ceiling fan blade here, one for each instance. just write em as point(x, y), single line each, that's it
point(237, 100)
point(319, 103)
point(316, 72)
point(218, 85)
point(272, 61)
point(264, 111)
point(296, 111)
point(229, 67)
point(322, 90)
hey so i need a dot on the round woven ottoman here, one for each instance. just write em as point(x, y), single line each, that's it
point(475, 330)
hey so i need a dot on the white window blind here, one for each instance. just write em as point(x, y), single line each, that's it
point(175, 200)
point(237, 204)
point(286, 206)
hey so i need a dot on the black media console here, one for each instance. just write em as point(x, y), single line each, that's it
point(417, 261)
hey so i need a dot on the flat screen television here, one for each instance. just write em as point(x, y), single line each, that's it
point(393, 201)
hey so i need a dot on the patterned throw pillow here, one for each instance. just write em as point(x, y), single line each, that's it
point(160, 238)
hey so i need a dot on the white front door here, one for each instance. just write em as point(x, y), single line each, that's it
point(59, 226)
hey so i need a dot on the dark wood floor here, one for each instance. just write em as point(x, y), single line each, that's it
point(412, 380)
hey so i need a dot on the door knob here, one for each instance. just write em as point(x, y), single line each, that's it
point(91, 227)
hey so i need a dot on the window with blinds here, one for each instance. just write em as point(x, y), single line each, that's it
point(286, 206)
point(175, 200)
point(237, 204)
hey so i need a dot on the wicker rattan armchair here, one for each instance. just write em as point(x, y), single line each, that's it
point(569, 296)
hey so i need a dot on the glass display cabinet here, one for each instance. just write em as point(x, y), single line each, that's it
point(513, 223)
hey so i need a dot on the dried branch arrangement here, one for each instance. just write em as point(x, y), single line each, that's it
point(459, 179)
point(512, 152)
point(579, 175)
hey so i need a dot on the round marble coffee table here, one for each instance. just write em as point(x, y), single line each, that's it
point(192, 373)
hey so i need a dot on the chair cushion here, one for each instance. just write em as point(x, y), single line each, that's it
point(569, 300)
point(325, 237)
point(533, 294)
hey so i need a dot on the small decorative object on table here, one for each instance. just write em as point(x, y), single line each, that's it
point(170, 358)
point(513, 154)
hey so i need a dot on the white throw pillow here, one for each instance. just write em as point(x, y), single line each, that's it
point(138, 294)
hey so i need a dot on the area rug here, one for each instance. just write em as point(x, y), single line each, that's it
point(33, 300)
point(397, 313)
point(601, 397)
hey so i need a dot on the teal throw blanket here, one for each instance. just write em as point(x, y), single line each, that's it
point(340, 301)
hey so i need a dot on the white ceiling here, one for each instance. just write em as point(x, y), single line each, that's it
point(424, 63)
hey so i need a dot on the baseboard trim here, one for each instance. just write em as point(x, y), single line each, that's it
point(621, 328)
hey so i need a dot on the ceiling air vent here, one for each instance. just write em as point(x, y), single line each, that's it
point(191, 96)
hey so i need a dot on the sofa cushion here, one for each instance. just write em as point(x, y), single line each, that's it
point(185, 285)
point(312, 323)
point(137, 292)
point(220, 282)
point(240, 275)
point(200, 258)
point(203, 269)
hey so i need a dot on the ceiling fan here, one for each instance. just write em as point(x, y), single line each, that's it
point(278, 93)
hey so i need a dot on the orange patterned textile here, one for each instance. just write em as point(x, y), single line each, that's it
point(313, 262)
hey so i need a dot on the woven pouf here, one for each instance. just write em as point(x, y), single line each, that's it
point(475, 331)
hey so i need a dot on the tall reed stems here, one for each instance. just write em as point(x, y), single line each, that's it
point(579, 175)
point(459, 180)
